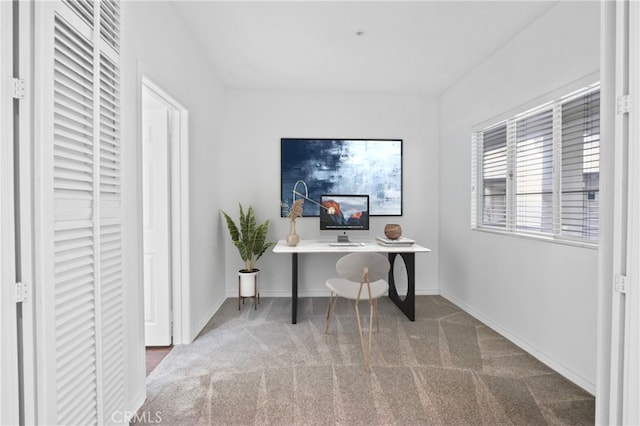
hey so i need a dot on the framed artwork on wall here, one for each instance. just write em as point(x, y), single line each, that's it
point(342, 166)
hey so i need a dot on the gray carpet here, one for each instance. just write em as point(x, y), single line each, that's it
point(254, 367)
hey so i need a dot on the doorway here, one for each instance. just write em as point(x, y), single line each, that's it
point(164, 168)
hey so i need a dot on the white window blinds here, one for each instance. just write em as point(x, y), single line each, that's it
point(538, 172)
point(580, 166)
point(533, 154)
point(494, 176)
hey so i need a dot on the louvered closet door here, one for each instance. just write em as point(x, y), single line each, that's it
point(110, 238)
point(79, 261)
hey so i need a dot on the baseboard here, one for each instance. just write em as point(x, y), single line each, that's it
point(323, 293)
point(205, 319)
point(574, 377)
point(428, 292)
point(126, 416)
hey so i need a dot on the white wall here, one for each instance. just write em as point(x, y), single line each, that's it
point(157, 44)
point(541, 295)
point(255, 122)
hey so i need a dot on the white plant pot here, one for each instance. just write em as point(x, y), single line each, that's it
point(249, 283)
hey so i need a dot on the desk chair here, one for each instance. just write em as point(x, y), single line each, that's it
point(360, 271)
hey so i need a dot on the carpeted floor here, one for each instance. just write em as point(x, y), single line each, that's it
point(254, 367)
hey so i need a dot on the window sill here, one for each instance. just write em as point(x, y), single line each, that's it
point(538, 237)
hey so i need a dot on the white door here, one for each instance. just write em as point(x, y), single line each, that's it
point(155, 180)
point(79, 306)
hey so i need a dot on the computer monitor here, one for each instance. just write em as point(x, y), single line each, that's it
point(344, 212)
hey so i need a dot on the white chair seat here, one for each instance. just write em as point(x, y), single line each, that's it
point(349, 289)
point(362, 277)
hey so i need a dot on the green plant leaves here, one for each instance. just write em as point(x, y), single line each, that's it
point(249, 237)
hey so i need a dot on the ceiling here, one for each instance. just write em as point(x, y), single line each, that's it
point(372, 46)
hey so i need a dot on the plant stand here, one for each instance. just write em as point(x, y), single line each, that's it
point(248, 287)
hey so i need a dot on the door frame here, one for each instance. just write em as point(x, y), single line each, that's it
point(178, 209)
point(631, 385)
point(9, 381)
point(618, 345)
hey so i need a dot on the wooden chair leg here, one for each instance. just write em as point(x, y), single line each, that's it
point(365, 355)
point(332, 302)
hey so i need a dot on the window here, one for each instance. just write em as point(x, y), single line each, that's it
point(494, 176)
point(537, 173)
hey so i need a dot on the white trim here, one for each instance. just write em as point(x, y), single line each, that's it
point(179, 177)
point(631, 386)
point(322, 293)
point(604, 409)
point(540, 237)
point(26, 209)
point(620, 192)
point(563, 370)
point(215, 306)
point(9, 409)
point(180, 216)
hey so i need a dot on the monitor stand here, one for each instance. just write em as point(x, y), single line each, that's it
point(343, 238)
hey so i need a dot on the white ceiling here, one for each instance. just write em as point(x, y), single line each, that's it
point(406, 47)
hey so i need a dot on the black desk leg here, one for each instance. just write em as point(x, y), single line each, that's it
point(408, 305)
point(294, 288)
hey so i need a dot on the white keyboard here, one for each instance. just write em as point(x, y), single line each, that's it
point(345, 244)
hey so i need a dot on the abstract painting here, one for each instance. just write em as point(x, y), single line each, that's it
point(342, 166)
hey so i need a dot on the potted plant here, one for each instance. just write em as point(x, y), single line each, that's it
point(250, 239)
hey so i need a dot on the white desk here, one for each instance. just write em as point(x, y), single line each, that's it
point(407, 253)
